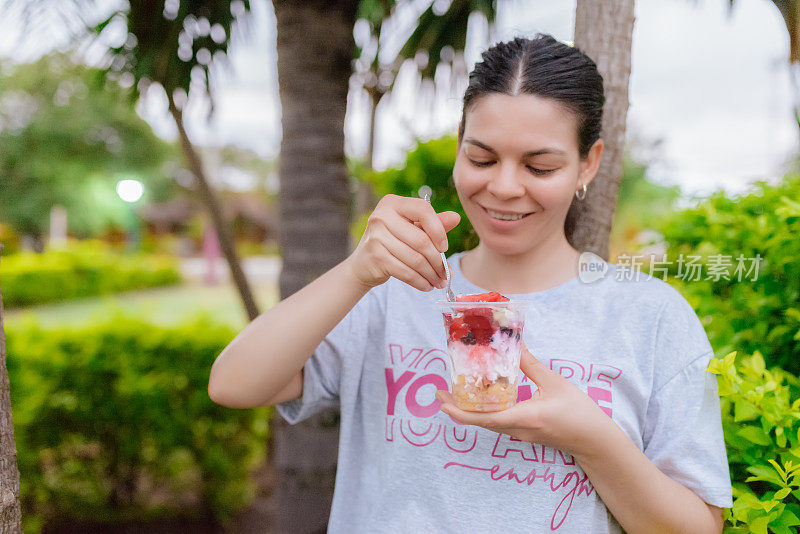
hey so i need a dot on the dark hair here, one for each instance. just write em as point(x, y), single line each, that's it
point(545, 67)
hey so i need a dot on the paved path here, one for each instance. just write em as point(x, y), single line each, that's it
point(258, 269)
point(170, 304)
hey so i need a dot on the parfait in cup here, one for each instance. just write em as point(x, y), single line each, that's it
point(484, 341)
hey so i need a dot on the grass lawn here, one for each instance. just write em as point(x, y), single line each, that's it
point(165, 305)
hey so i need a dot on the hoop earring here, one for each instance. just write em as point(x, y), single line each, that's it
point(581, 194)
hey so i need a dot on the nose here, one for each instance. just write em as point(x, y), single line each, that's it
point(506, 182)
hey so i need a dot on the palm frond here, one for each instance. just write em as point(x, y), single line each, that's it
point(434, 32)
point(165, 48)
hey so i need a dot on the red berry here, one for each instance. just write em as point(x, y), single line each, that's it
point(457, 329)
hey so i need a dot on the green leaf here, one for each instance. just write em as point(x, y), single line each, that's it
point(778, 468)
point(754, 434)
point(765, 473)
point(725, 388)
point(744, 411)
point(789, 207)
point(757, 363)
point(788, 519)
point(715, 366)
point(781, 493)
point(780, 437)
point(793, 313)
point(759, 525)
point(769, 505)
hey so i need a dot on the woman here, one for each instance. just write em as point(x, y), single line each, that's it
point(619, 423)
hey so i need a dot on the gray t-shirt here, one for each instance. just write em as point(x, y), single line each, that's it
point(636, 347)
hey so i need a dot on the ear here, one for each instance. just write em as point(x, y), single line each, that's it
point(590, 165)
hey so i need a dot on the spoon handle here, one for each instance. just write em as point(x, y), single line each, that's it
point(425, 192)
point(450, 295)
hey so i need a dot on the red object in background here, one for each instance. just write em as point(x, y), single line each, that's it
point(211, 251)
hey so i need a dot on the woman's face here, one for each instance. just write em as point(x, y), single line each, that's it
point(519, 157)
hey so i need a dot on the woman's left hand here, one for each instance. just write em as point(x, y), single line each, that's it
point(558, 415)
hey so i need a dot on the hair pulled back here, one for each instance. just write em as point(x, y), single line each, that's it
point(545, 67)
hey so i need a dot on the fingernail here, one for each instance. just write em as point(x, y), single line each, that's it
point(442, 284)
point(443, 246)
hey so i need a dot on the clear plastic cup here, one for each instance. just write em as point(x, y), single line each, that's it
point(484, 341)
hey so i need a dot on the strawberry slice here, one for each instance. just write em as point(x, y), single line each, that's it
point(492, 296)
point(479, 325)
point(457, 328)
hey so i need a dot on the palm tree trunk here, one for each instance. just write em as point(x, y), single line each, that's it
point(315, 50)
point(790, 11)
point(10, 515)
point(604, 31)
point(374, 98)
point(794, 83)
point(215, 211)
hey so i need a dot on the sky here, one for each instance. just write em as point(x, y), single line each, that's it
point(712, 88)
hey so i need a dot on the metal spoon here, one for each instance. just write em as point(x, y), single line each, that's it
point(425, 192)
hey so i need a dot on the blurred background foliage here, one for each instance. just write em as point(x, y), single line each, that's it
point(641, 206)
point(67, 136)
point(113, 422)
point(754, 311)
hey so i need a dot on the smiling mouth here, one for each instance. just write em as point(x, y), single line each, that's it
point(506, 216)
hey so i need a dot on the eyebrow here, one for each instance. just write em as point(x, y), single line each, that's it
point(539, 152)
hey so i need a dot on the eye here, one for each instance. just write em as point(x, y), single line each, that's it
point(540, 172)
point(481, 163)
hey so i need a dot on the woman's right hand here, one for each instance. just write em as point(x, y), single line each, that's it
point(403, 239)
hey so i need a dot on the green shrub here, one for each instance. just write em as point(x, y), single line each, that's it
point(761, 423)
point(641, 205)
point(747, 315)
point(113, 421)
point(9, 239)
point(84, 269)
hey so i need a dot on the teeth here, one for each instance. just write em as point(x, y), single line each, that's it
point(505, 217)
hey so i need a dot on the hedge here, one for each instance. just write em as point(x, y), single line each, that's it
point(84, 269)
point(761, 423)
point(113, 422)
point(744, 311)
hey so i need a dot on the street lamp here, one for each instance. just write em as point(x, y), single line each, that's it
point(130, 191)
